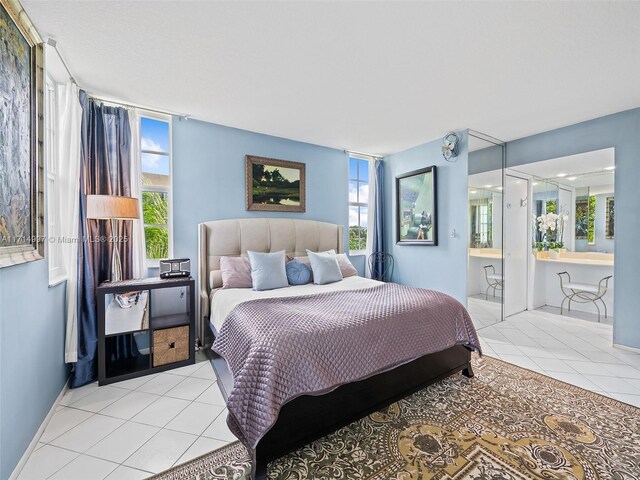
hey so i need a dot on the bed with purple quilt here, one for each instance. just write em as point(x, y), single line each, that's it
point(297, 363)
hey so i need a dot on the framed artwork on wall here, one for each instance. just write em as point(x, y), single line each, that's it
point(21, 135)
point(416, 208)
point(275, 185)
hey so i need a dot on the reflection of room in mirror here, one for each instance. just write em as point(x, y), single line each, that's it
point(572, 230)
point(485, 234)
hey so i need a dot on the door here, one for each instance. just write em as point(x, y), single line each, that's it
point(516, 243)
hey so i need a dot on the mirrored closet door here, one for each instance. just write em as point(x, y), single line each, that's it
point(485, 278)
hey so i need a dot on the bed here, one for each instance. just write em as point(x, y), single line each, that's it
point(297, 417)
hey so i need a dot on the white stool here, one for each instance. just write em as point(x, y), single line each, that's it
point(583, 292)
point(494, 280)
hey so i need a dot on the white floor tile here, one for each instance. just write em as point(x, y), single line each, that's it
point(630, 399)
point(575, 379)
point(588, 367)
point(185, 371)
point(189, 389)
point(62, 421)
point(128, 473)
point(195, 418)
point(88, 433)
point(201, 446)
point(161, 384)
point(205, 372)
point(122, 443)
point(212, 396)
point(553, 364)
point(75, 394)
point(603, 357)
point(521, 361)
point(622, 371)
point(130, 405)
point(616, 385)
point(101, 398)
point(161, 452)
point(506, 349)
point(219, 430)
point(45, 462)
point(134, 383)
point(85, 468)
point(161, 412)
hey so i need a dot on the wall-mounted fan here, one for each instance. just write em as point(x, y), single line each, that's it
point(449, 146)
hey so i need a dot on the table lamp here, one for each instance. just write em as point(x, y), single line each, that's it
point(114, 208)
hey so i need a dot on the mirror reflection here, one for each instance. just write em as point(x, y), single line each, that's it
point(485, 282)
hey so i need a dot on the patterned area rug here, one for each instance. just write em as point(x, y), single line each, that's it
point(506, 423)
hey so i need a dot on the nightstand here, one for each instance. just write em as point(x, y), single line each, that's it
point(144, 326)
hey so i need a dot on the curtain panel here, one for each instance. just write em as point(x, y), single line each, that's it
point(377, 223)
point(67, 203)
point(104, 170)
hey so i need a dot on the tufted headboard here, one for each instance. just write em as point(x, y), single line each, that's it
point(234, 237)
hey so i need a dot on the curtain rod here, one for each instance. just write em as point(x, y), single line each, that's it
point(53, 44)
point(141, 107)
point(362, 154)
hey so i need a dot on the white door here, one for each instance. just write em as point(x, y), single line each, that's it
point(516, 243)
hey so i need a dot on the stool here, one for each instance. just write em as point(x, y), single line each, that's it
point(494, 280)
point(583, 292)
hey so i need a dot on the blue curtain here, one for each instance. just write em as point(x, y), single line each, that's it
point(378, 245)
point(104, 170)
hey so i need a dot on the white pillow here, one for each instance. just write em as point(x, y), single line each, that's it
point(268, 270)
point(325, 267)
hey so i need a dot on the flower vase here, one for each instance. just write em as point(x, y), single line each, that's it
point(554, 254)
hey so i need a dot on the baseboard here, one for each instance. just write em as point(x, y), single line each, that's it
point(36, 437)
point(624, 347)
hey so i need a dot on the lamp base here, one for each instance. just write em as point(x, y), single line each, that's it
point(116, 266)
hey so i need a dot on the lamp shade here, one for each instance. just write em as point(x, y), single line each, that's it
point(112, 207)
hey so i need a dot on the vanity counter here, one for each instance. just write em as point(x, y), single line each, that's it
point(493, 253)
point(578, 258)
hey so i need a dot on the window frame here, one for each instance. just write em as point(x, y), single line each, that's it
point(155, 262)
point(57, 271)
point(359, 204)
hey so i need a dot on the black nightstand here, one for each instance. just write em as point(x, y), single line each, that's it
point(145, 326)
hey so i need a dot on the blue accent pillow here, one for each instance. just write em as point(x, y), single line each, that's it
point(325, 267)
point(268, 270)
point(298, 273)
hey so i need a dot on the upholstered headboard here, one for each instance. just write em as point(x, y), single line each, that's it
point(234, 237)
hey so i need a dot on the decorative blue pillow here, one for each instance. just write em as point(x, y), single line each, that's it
point(298, 273)
point(325, 267)
point(268, 270)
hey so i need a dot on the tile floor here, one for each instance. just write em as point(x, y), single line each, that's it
point(133, 429)
point(576, 351)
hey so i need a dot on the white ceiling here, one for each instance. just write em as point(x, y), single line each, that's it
point(372, 76)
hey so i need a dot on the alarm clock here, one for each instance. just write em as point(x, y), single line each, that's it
point(175, 267)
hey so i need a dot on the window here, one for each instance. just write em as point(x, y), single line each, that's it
point(56, 267)
point(155, 158)
point(358, 203)
point(591, 222)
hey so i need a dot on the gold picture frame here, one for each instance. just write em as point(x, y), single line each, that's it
point(22, 201)
point(274, 185)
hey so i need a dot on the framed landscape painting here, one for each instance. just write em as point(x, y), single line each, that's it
point(416, 208)
point(21, 150)
point(275, 185)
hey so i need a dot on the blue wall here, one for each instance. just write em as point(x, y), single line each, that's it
point(621, 131)
point(209, 179)
point(443, 267)
point(32, 368)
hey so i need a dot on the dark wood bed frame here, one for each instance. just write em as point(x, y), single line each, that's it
point(309, 417)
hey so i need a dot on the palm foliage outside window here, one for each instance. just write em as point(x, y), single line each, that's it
point(155, 144)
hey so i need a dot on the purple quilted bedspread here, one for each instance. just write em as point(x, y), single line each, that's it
point(280, 348)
